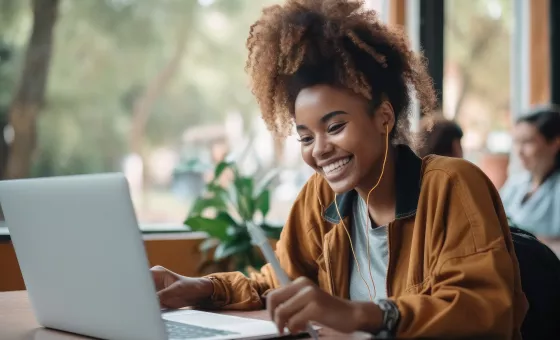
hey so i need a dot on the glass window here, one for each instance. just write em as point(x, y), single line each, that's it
point(156, 90)
point(476, 90)
point(477, 73)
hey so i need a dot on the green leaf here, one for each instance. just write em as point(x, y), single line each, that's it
point(214, 227)
point(226, 218)
point(245, 202)
point(272, 232)
point(240, 234)
point(255, 259)
point(223, 193)
point(244, 185)
point(220, 168)
point(263, 202)
point(202, 204)
point(215, 188)
point(231, 248)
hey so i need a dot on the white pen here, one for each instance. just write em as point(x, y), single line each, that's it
point(259, 239)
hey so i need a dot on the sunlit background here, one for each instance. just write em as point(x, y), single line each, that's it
point(157, 89)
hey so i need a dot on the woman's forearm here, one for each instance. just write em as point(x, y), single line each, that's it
point(368, 316)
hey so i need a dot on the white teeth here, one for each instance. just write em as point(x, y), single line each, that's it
point(336, 165)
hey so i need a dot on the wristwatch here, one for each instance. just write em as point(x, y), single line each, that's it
point(391, 316)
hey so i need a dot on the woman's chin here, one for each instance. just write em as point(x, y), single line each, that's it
point(341, 186)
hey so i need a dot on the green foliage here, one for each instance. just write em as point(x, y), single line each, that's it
point(106, 53)
point(13, 28)
point(7, 74)
point(477, 42)
point(233, 208)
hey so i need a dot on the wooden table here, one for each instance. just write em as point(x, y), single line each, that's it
point(17, 322)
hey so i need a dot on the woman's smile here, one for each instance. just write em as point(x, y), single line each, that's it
point(337, 169)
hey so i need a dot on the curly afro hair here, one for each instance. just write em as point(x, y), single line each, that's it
point(339, 43)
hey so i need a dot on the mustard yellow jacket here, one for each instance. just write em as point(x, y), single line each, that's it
point(452, 267)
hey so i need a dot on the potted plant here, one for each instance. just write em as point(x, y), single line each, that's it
point(223, 213)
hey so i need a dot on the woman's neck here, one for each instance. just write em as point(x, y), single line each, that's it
point(539, 177)
point(382, 200)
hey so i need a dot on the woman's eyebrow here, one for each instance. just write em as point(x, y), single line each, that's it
point(323, 119)
point(331, 115)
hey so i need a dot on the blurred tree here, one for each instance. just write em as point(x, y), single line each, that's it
point(143, 105)
point(12, 15)
point(29, 97)
point(3, 144)
point(100, 52)
point(5, 86)
point(478, 43)
point(113, 57)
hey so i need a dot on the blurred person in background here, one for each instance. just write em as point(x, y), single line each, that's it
point(532, 198)
point(443, 139)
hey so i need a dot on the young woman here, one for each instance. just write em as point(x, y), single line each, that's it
point(532, 198)
point(378, 240)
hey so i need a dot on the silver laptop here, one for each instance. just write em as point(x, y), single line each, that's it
point(83, 262)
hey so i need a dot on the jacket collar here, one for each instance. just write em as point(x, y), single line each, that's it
point(408, 179)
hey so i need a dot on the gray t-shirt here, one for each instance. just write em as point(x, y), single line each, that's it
point(379, 255)
point(540, 213)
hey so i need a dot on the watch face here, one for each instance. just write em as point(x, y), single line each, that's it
point(391, 314)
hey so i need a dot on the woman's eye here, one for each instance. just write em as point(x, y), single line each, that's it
point(305, 140)
point(336, 127)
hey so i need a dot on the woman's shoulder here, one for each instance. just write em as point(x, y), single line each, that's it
point(515, 182)
point(316, 189)
point(454, 169)
point(312, 200)
point(555, 185)
point(518, 177)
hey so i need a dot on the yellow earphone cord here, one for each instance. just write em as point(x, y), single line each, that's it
point(367, 222)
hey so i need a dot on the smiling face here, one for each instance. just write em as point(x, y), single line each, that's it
point(339, 138)
point(536, 153)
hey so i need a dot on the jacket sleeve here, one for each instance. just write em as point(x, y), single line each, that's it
point(473, 288)
point(296, 250)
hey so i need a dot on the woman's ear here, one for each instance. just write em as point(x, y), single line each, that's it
point(385, 117)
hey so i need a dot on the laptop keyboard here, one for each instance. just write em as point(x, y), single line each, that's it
point(178, 330)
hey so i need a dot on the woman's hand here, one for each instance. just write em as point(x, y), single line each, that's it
point(302, 301)
point(177, 291)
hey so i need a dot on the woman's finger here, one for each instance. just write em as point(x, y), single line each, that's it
point(292, 306)
point(280, 295)
point(298, 322)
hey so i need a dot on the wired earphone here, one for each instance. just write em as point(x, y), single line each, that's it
point(367, 220)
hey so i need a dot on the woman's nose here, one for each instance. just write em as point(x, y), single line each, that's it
point(321, 148)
